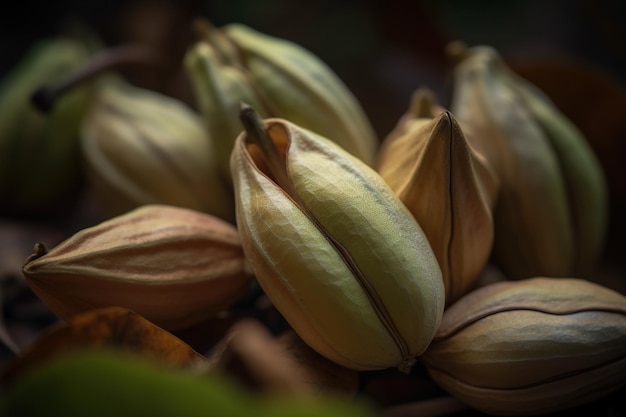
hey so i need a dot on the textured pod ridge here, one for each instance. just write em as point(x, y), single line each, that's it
point(337, 253)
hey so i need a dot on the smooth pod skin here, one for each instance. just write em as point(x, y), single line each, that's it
point(142, 147)
point(342, 259)
point(532, 216)
point(278, 78)
point(39, 152)
point(449, 189)
point(292, 79)
point(587, 190)
point(218, 89)
point(532, 346)
point(174, 266)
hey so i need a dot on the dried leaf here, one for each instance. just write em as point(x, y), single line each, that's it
point(113, 327)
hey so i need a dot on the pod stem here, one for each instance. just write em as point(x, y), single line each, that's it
point(39, 250)
point(256, 129)
point(45, 96)
point(456, 51)
point(422, 103)
point(203, 28)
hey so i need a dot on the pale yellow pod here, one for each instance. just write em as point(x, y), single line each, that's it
point(336, 252)
point(532, 346)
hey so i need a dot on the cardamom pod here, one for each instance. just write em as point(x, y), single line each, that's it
point(334, 249)
point(278, 78)
point(551, 214)
point(174, 266)
point(446, 185)
point(532, 346)
point(39, 152)
point(142, 147)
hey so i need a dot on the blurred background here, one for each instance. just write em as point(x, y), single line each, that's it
point(382, 49)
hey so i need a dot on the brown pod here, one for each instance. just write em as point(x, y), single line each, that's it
point(447, 186)
point(533, 346)
point(174, 266)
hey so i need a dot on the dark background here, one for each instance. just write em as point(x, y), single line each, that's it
point(382, 49)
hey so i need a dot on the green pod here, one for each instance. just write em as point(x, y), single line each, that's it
point(587, 189)
point(39, 152)
point(219, 90)
point(142, 147)
point(299, 87)
point(279, 78)
point(533, 234)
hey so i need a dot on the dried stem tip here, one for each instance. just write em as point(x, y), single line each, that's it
point(257, 132)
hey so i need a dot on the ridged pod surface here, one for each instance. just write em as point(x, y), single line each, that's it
point(532, 346)
point(39, 152)
point(334, 249)
point(446, 185)
point(551, 213)
point(174, 266)
point(142, 147)
point(278, 78)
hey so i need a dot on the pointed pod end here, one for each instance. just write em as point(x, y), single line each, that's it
point(38, 251)
point(203, 28)
point(456, 51)
point(406, 365)
point(447, 128)
point(257, 132)
point(445, 122)
point(245, 108)
point(423, 103)
point(251, 121)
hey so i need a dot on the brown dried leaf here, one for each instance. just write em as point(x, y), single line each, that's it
point(114, 327)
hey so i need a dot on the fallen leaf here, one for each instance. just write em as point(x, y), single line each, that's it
point(115, 327)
